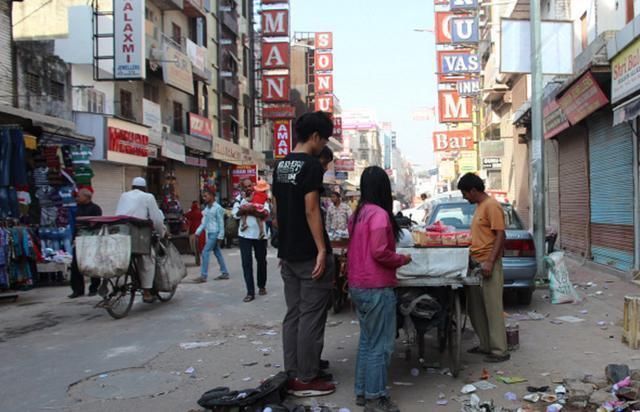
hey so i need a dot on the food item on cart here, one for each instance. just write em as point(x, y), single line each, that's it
point(449, 239)
point(463, 238)
point(432, 239)
point(440, 228)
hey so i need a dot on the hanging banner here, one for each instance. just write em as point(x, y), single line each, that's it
point(452, 108)
point(279, 112)
point(324, 61)
point(282, 138)
point(463, 4)
point(200, 126)
point(468, 88)
point(583, 98)
point(464, 30)
point(344, 165)
point(625, 75)
point(152, 117)
point(468, 162)
point(324, 103)
point(240, 173)
point(128, 25)
point(337, 128)
point(554, 119)
point(176, 69)
point(443, 27)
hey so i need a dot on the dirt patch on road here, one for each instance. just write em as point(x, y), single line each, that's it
point(40, 321)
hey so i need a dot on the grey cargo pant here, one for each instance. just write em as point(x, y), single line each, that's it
point(304, 324)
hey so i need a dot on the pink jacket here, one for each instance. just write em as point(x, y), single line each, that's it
point(372, 259)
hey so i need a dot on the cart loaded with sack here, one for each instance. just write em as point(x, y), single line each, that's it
point(112, 247)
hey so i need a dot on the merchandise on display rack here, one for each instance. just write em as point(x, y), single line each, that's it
point(38, 185)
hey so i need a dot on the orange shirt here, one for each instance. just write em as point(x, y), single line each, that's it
point(488, 218)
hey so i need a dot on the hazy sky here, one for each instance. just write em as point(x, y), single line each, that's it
point(380, 62)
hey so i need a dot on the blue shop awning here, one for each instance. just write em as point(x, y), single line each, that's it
point(626, 111)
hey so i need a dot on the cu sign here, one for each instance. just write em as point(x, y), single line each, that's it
point(452, 28)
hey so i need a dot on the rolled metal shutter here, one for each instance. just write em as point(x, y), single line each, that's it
point(108, 184)
point(574, 191)
point(188, 179)
point(552, 186)
point(611, 178)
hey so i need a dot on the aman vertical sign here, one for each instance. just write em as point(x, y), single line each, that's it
point(129, 62)
point(282, 138)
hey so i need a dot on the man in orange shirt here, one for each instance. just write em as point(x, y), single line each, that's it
point(487, 242)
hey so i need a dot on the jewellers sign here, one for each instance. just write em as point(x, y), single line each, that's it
point(128, 22)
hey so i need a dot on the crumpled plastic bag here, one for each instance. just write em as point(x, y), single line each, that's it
point(562, 291)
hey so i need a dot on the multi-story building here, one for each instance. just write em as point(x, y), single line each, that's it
point(6, 55)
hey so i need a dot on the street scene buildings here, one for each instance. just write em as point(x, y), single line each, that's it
point(193, 105)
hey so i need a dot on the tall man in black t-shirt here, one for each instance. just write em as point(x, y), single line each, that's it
point(305, 253)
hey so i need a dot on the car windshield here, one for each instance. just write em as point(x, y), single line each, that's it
point(459, 215)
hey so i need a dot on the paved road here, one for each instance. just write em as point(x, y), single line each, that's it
point(65, 355)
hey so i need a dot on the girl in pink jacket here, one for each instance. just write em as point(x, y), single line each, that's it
point(372, 264)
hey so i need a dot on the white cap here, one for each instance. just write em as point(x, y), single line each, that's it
point(139, 182)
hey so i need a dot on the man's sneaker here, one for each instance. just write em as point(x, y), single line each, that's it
point(324, 364)
point(224, 276)
point(324, 376)
point(314, 388)
point(360, 400)
point(383, 404)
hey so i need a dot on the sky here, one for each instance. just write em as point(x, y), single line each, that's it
point(380, 62)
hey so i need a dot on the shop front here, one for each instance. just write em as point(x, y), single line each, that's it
point(232, 157)
point(43, 161)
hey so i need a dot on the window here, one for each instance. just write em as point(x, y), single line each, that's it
point(152, 92)
point(460, 215)
point(204, 109)
point(32, 83)
point(630, 10)
point(126, 104)
point(177, 118)
point(247, 121)
point(176, 33)
point(148, 14)
point(95, 101)
point(246, 60)
point(584, 27)
point(56, 90)
point(363, 139)
point(245, 8)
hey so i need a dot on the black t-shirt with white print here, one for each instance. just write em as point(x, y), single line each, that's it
point(295, 176)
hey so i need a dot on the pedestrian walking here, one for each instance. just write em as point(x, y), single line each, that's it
point(372, 262)
point(306, 261)
point(251, 242)
point(194, 219)
point(213, 225)
point(487, 243)
point(86, 207)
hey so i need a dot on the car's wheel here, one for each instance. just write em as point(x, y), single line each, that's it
point(525, 296)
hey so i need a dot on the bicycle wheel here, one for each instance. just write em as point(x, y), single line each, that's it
point(166, 296)
point(120, 297)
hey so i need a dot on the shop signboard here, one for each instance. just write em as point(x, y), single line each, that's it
point(227, 151)
point(282, 138)
point(491, 163)
point(324, 103)
point(275, 55)
point(275, 23)
point(323, 41)
point(625, 72)
point(452, 140)
point(464, 30)
point(240, 173)
point(195, 161)
point(173, 150)
point(447, 169)
point(152, 117)
point(324, 83)
point(279, 112)
point(129, 37)
point(555, 120)
point(463, 4)
point(127, 142)
point(344, 165)
point(468, 87)
point(342, 175)
point(468, 162)
point(197, 55)
point(337, 128)
point(582, 99)
point(200, 126)
point(492, 148)
point(324, 61)
point(275, 88)
point(452, 108)
point(456, 64)
point(176, 69)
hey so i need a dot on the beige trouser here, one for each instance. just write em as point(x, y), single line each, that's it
point(486, 312)
point(146, 265)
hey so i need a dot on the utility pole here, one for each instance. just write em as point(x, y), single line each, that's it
point(537, 141)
